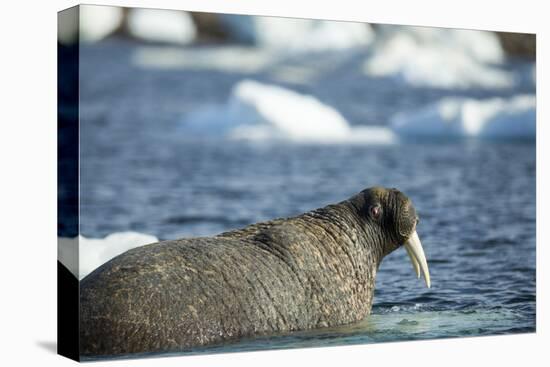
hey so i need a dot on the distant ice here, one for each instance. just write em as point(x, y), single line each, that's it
point(151, 25)
point(238, 59)
point(231, 58)
point(97, 22)
point(439, 57)
point(93, 252)
point(257, 111)
point(297, 35)
point(495, 118)
point(158, 25)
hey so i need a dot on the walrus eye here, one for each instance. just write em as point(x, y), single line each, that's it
point(375, 211)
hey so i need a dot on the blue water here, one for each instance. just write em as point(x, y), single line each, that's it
point(476, 199)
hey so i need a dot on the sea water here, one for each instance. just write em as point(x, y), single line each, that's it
point(142, 171)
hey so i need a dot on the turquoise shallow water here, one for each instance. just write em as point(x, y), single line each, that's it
point(391, 325)
point(394, 325)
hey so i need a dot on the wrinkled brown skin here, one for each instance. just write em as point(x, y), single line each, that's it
point(311, 271)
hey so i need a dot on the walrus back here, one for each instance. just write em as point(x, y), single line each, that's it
point(284, 275)
point(186, 293)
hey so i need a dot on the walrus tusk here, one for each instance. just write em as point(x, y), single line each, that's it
point(418, 259)
point(413, 262)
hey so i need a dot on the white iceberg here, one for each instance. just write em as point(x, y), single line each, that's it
point(97, 22)
point(94, 252)
point(280, 66)
point(232, 59)
point(297, 35)
point(158, 25)
point(439, 57)
point(494, 118)
point(257, 111)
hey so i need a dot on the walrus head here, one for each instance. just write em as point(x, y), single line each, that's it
point(391, 213)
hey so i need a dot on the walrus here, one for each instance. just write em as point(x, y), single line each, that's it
point(314, 270)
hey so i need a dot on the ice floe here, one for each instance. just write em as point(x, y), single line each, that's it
point(150, 25)
point(439, 57)
point(231, 59)
point(494, 118)
point(97, 22)
point(166, 26)
point(297, 35)
point(258, 111)
point(93, 252)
